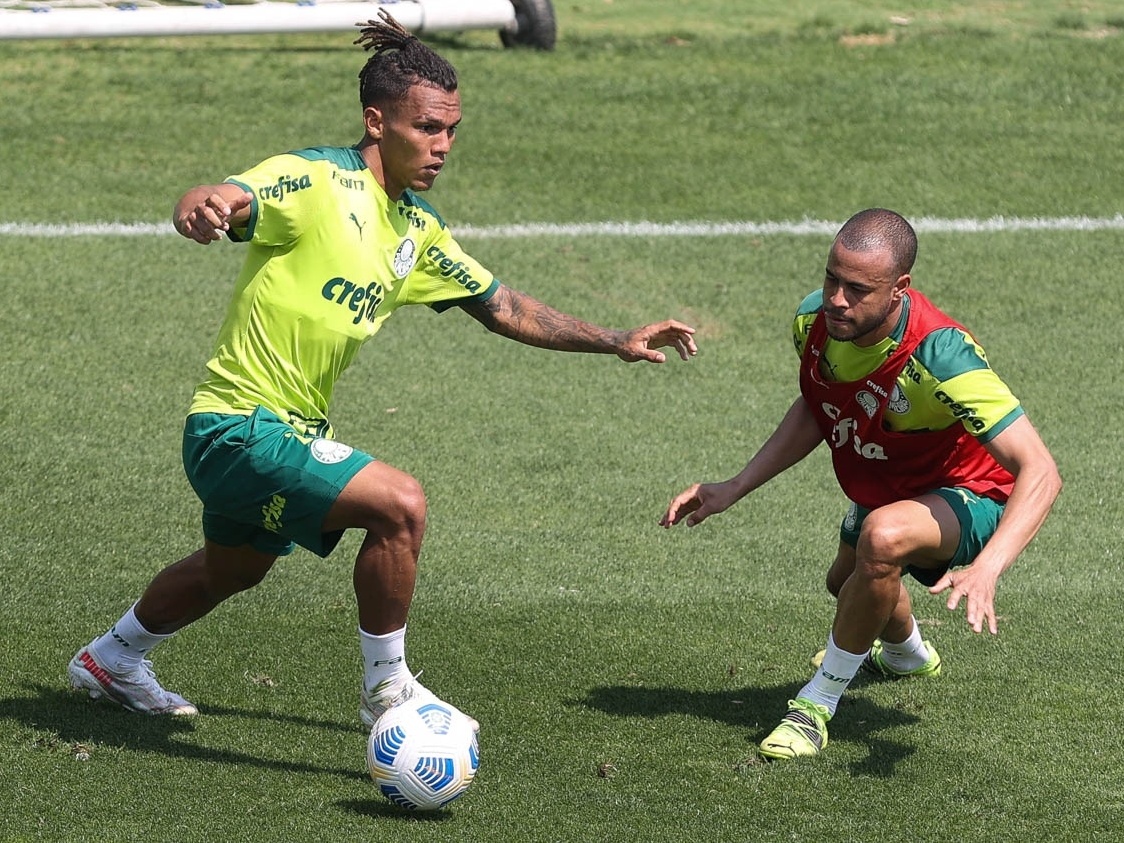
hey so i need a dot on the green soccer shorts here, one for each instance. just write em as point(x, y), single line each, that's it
point(264, 484)
point(978, 517)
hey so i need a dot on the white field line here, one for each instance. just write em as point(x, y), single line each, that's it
point(625, 229)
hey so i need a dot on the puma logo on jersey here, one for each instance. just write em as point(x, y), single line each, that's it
point(358, 224)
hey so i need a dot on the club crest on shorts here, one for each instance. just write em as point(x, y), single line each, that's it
point(404, 258)
point(329, 451)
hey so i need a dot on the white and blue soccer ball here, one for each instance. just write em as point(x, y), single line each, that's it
point(423, 755)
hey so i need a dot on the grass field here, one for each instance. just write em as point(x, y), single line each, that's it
point(622, 674)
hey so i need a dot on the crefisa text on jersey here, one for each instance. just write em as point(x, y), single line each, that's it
point(362, 301)
point(284, 186)
point(452, 269)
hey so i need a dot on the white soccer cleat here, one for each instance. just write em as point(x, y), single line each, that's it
point(137, 691)
point(374, 703)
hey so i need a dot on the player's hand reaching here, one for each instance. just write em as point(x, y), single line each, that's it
point(642, 343)
point(205, 214)
point(977, 585)
point(698, 502)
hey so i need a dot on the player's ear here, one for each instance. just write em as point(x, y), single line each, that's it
point(901, 285)
point(372, 122)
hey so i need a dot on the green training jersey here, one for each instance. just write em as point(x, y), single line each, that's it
point(946, 380)
point(331, 256)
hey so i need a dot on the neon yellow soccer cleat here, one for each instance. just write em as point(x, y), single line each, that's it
point(875, 663)
point(802, 731)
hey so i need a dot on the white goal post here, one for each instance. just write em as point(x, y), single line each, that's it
point(519, 22)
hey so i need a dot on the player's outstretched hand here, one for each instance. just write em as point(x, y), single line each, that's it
point(642, 343)
point(209, 218)
point(977, 585)
point(697, 503)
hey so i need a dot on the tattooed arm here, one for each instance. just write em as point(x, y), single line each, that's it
point(517, 316)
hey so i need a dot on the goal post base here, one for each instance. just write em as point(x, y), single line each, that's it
point(43, 20)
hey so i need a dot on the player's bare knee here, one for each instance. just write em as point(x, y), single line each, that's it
point(886, 539)
point(406, 509)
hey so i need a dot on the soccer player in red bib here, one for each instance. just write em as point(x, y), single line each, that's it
point(947, 478)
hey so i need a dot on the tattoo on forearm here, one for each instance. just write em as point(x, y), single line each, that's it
point(520, 317)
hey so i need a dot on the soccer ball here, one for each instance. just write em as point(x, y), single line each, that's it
point(423, 754)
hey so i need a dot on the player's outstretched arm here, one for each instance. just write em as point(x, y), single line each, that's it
point(795, 437)
point(1021, 451)
point(701, 500)
point(205, 213)
point(520, 317)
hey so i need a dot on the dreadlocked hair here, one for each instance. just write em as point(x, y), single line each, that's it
point(398, 61)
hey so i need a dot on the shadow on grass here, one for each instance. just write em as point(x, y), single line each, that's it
point(379, 809)
point(78, 720)
point(759, 709)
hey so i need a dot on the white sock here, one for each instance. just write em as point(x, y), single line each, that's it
point(384, 657)
point(121, 649)
point(906, 655)
point(833, 676)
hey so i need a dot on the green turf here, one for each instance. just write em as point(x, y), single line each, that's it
point(622, 674)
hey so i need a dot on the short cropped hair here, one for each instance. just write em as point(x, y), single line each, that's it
point(878, 228)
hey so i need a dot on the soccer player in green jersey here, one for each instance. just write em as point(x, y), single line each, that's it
point(338, 239)
point(948, 480)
